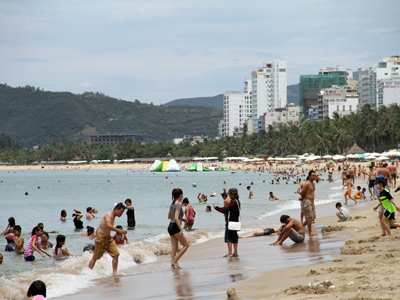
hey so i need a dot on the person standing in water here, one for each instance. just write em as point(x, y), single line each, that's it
point(307, 201)
point(175, 230)
point(104, 241)
point(250, 192)
point(190, 214)
point(130, 213)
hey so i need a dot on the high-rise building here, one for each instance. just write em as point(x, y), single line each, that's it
point(387, 67)
point(265, 91)
point(366, 88)
point(269, 89)
point(388, 91)
point(310, 86)
point(237, 110)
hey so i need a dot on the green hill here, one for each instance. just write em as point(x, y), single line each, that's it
point(32, 116)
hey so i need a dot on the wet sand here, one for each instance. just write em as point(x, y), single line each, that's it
point(206, 274)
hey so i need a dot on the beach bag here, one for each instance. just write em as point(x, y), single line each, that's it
point(235, 226)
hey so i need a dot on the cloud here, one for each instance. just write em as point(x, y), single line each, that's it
point(86, 84)
point(381, 30)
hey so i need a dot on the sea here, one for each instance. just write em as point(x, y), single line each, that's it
point(38, 196)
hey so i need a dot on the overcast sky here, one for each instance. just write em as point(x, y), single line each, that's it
point(157, 51)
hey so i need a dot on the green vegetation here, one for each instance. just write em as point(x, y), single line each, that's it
point(33, 116)
point(372, 130)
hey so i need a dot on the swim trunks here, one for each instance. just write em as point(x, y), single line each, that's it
point(173, 228)
point(389, 215)
point(103, 244)
point(348, 193)
point(296, 237)
point(190, 223)
point(308, 209)
point(29, 258)
point(351, 176)
point(269, 231)
point(393, 175)
point(371, 183)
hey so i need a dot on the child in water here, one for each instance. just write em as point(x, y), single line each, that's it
point(120, 238)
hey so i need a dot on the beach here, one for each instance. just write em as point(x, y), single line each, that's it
point(261, 271)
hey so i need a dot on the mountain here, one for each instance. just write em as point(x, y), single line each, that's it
point(293, 93)
point(293, 96)
point(32, 116)
point(216, 101)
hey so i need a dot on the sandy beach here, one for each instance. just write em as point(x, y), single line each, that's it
point(347, 260)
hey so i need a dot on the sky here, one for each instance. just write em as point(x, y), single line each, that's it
point(158, 51)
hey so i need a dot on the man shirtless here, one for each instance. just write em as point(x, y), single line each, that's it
point(307, 201)
point(384, 171)
point(348, 184)
point(371, 177)
point(250, 192)
point(352, 173)
point(89, 213)
point(344, 173)
point(299, 189)
point(266, 231)
point(104, 242)
point(272, 196)
point(393, 174)
point(18, 240)
point(292, 229)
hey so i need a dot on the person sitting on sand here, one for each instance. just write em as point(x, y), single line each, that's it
point(267, 231)
point(343, 213)
point(363, 193)
point(202, 199)
point(272, 196)
point(89, 213)
point(250, 192)
point(386, 200)
point(292, 229)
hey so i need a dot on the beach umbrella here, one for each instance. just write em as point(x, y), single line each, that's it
point(336, 157)
point(362, 155)
point(382, 158)
point(351, 155)
point(327, 156)
point(370, 157)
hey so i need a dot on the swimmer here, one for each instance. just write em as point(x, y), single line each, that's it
point(18, 240)
point(250, 192)
point(77, 219)
point(120, 238)
point(213, 194)
point(63, 215)
point(89, 213)
point(208, 208)
point(33, 245)
point(267, 231)
point(272, 196)
point(90, 233)
point(44, 241)
point(59, 251)
point(203, 198)
point(10, 226)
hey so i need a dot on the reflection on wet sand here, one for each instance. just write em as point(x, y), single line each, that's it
point(183, 285)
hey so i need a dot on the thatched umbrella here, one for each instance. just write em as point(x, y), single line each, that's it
point(355, 149)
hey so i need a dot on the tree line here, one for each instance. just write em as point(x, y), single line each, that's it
point(373, 130)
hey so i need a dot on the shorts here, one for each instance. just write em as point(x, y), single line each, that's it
point(371, 183)
point(308, 209)
point(29, 258)
point(296, 237)
point(393, 175)
point(343, 217)
point(348, 193)
point(351, 176)
point(269, 231)
point(231, 236)
point(173, 229)
point(380, 208)
point(190, 223)
point(103, 244)
point(389, 215)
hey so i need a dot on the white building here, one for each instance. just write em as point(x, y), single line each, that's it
point(237, 110)
point(387, 68)
point(269, 89)
point(336, 70)
point(286, 115)
point(341, 99)
point(389, 91)
point(366, 87)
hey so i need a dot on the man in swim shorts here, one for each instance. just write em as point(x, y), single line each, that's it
point(104, 241)
point(372, 177)
point(393, 174)
point(292, 229)
point(307, 202)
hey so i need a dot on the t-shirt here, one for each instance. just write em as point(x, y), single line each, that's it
point(385, 198)
point(174, 207)
point(29, 249)
point(131, 218)
point(345, 213)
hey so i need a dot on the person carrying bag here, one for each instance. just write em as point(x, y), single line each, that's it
point(232, 225)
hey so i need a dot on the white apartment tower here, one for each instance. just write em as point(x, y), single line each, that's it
point(269, 89)
point(237, 110)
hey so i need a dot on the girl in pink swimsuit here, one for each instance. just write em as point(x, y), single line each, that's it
point(34, 245)
point(190, 213)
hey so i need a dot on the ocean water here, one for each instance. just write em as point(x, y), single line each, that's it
point(151, 197)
